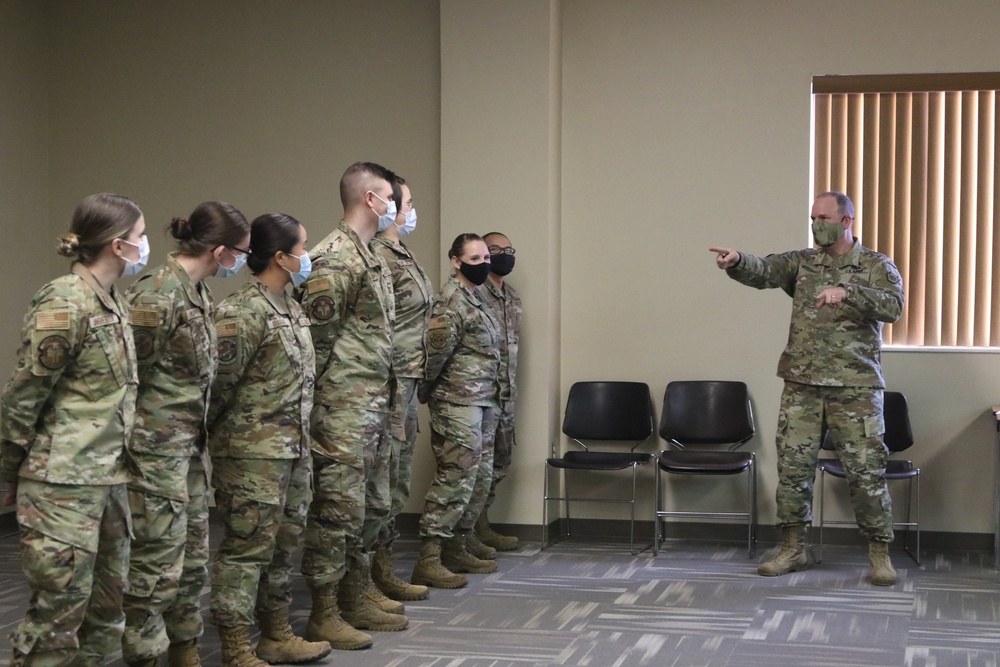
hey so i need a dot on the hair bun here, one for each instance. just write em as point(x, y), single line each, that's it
point(180, 229)
point(69, 245)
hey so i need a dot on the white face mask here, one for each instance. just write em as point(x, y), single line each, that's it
point(390, 215)
point(409, 224)
point(132, 268)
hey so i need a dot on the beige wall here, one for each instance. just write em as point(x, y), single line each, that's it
point(614, 142)
point(24, 162)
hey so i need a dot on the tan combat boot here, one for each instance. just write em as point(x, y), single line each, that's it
point(430, 572)
point(883, 573)
point(491, 538)
point(481, 551)
point(279, 644)
point(457, 558)
point(792, 556)
point(183, 654)
point(361, 611)
point(378, 598)
point(326, 624)
point(236, 650)
point(392, 586)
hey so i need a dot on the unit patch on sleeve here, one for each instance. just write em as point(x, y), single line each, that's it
point(53, 352)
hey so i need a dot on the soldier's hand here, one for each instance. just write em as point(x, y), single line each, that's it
point(832, 297)
point(10, 494)
point(726, 257)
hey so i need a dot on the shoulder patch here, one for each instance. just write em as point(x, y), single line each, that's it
point(318, 285)
point(53, 352)
point(144, 317)
point(322, 308)
point(437, 322)
point(228, 350)
point(52, 321)
point(144, 343)
point(437, 338)
point(226, 329)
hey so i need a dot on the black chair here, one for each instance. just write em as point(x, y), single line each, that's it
point(700, 417)
point(898, 437)
point(602, 411)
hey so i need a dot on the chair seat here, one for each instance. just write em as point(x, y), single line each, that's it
point(704, 463)
point(599, 460)
point(895, 469)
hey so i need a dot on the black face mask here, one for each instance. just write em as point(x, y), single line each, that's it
point(502, 264)
point(475, 273)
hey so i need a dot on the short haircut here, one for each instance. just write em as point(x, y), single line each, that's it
point(844, 204)
point(359, 178)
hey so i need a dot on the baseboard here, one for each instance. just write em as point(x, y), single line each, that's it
point(618, 530)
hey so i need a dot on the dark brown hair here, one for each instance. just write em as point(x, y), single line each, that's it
point(270, 233)
point(458, 246)
point(212, 224)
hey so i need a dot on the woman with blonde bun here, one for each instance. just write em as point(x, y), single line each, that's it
point(68, 412)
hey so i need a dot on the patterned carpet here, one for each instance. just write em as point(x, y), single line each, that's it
point(695, 605)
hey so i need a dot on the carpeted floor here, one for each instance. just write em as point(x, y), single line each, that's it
point(696, 604)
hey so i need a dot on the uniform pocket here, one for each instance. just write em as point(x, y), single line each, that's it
point(49, 564)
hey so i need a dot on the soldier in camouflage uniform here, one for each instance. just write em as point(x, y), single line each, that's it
point(841, 295)
point(414, 295)
point(506, 306)
point(461, 390)
point(258, 419)
point(68, 413)
point(171, 312)
point(348, 298)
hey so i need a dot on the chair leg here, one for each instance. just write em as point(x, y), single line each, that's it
point(656, 511)
point(545, 509)
point(822, 508)
point(631, 525)
point(752, 509)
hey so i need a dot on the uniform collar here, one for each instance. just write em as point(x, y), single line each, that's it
point(850, 258)
point(278, 302)
point(197, 294)
point(107, 297)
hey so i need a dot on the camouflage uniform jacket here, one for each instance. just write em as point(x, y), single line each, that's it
point(262, 397)
point(348, 298)
point(175, 343)
point(835, 347)
point(463, 354)
point(414, 295)
point(506, 308)
point(69, 407)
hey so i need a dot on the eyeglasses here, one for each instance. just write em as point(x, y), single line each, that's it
point(497, 250)
point(236, 252)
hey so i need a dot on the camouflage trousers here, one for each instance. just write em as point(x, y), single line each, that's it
point(462, 440)
point(263, 504)
point(168, 568)
point(503, 449)
point(350, 503)
point(402, 436)
point(855, 420)
point(74, 553)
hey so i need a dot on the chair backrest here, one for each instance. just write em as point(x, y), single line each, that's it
point(706, 412)
point(609, 411)
point(898, 432)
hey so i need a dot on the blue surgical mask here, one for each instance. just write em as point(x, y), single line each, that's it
point(305, 268)
point(132, 268)
point(409, 224)
point(225, 272)
point(390, 215)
